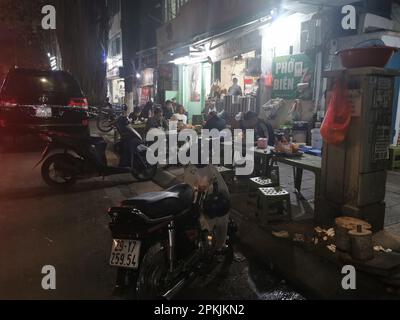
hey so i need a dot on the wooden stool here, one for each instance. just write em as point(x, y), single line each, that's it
point(270, 196)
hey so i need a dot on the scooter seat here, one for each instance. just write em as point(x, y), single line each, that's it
point(158, 205)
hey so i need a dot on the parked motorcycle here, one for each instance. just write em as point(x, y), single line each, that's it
point(159, 245)
point(106, 117)
point(68, 158)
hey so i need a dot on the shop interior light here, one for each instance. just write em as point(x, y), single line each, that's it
point(138, 76)
point(191, 59)
point(283, 30)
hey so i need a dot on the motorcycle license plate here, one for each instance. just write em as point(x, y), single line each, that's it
point(125, 253)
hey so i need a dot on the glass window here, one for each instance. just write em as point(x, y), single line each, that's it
point(172, 8)
point(116, 46)
point(31, 84)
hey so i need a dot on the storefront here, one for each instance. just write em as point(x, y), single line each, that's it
point(115, 82)
point(147, 86)
point(222, 59)
point(116, 91)
point(289, 76)
point(237, 55)
point(244, 67)
point(194, 86)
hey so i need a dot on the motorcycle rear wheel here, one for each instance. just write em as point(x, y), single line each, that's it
point(52, 172)
point(152, 274)
point(104, 124)
point(146, 174)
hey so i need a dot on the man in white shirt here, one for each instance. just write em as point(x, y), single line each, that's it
point(180, 116)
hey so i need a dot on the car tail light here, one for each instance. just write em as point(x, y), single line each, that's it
point(8, 102)
point(78, 103)
point(45, 138)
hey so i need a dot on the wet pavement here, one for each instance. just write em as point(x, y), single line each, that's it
point(247, 279)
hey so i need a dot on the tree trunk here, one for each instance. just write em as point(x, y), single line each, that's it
point(82, 32)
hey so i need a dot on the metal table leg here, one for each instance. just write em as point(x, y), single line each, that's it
point(298, 177)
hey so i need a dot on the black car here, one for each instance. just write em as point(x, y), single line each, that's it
point(34, 100)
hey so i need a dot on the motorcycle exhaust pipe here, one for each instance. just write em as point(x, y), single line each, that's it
point(172, 292)
point(171, 249)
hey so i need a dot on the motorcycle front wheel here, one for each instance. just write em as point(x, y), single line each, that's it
point(54, 171)
point(104, 123)
point(141, 169)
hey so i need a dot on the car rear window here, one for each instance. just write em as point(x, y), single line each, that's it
point(25, 84)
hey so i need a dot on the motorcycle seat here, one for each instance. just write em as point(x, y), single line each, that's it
point(158, 205)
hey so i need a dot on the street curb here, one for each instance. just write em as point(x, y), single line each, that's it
point(314, 276)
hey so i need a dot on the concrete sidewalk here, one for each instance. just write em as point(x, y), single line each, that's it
point(304, 209)
point(314, 271)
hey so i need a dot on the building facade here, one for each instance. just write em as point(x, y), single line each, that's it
point(286, 46)
point(131, 39)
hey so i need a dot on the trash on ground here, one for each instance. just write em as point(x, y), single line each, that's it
point(298, 237)
point(325, 233)
point(281, 234)
point(382, 249)
point(332, 248)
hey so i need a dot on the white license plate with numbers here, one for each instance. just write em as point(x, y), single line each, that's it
point(125, 253)
point(43, 112)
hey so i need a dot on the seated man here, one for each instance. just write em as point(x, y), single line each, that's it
point(181, 115)
point(262, 129)
point(147, 110)
point(168, 110)
point(157, 121)
point(215, 122)
point(135, 115)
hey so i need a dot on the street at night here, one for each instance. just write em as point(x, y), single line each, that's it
point(70, 231)
point(203, 156)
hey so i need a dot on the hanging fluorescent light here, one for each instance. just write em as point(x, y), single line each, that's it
point(182, 60)
point(190, 60)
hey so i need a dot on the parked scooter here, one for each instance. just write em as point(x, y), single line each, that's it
point(106, 117)
point(68, 158)
point(159, 245)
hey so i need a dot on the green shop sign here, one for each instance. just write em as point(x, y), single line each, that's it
point(293, 77)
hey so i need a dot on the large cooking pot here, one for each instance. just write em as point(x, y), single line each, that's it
point(247, 103)
point(232, 104)
point(366, 57)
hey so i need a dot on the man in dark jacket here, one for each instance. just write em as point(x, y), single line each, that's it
point(262, 129)
point(215, 122)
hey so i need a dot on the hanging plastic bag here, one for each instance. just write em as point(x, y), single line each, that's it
point(337, 120)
